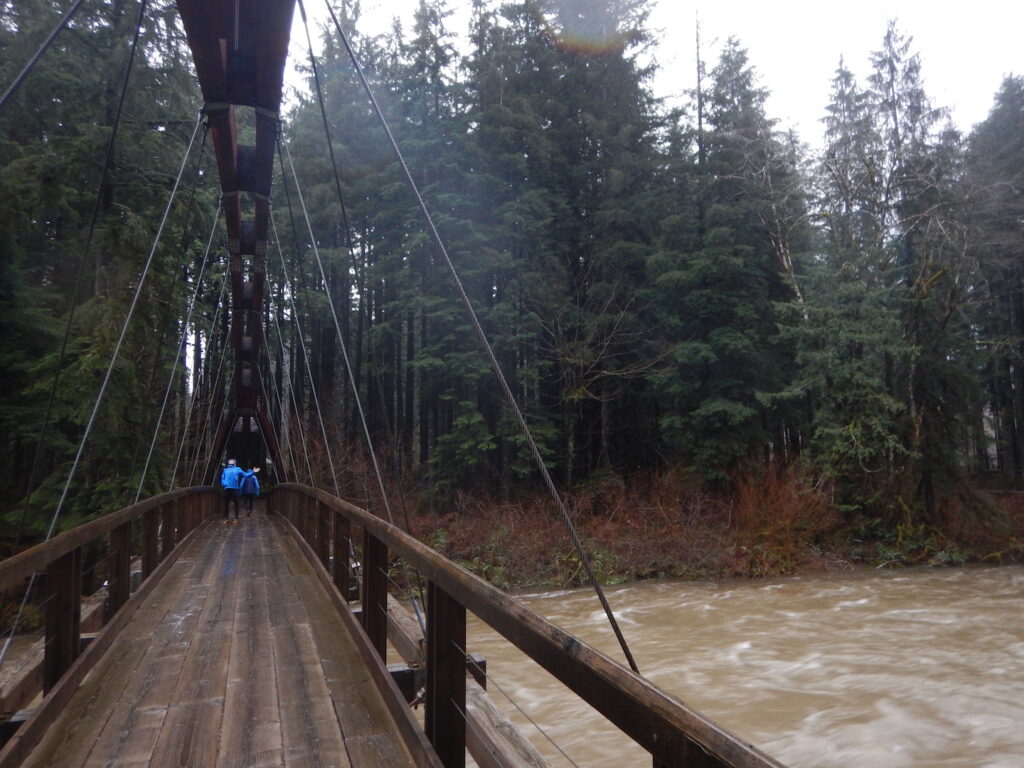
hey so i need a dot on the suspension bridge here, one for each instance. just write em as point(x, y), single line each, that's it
point(265, 642)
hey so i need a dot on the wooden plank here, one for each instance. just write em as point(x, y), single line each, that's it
point(191, 729)
point(323, 533)
point(366, 724)
point(405, 634)
point(309, 726)
point(415, 740)
point(251, 732)
point(492, 739)
point(445, 721)
point(165, 632)
point(150, 553)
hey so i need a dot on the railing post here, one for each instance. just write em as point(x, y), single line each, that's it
point(179, 520)
point(342, 546)
point(120, 580)
point(309, 521)
point(190, 513)
point(375, 593)
point(63, 616)
point(445, 715)
point(323, 533)
point(150, 557)
point(167, 513)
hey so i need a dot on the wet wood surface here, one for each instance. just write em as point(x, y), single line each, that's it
point(237, 659)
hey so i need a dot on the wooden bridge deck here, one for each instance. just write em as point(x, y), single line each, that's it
point(237, 658)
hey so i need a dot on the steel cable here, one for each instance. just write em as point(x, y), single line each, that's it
point(39, 53)
point(107, 376)
point(177, 358)
point(33, 472)
point(309, 370)
point(488, 350)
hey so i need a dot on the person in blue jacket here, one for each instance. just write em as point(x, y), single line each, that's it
point(250, 488)
point(230, 480)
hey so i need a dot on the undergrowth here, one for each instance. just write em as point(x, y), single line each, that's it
point(772, 523)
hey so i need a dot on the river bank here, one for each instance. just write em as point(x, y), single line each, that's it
point(659, 532)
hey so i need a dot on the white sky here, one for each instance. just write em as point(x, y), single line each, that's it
point(966, 48)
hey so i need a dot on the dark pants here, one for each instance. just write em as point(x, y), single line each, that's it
point(248, 501)
point(230, 497)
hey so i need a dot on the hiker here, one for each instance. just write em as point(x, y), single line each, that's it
point(250, 488)
point(230, 479)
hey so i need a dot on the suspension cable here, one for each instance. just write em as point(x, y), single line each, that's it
point(273, 307)
point(270, 422)
point(124, 332)
point(305, 357)
point(348, 369)
point(330, 144)
point(39, 53)
point(106, 381)
point(177, 358)
point(213, 390)
point(33, 472)
point(172, 285)
point(358, 273)
point(488, 350)
point(341, 341)
point(281, 410)
point(291, 389)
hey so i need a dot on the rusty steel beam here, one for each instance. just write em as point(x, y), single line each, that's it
point(239, 48)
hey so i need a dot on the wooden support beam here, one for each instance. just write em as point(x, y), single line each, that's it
point(309, 522)
point(342, 546)
point(375, 593)
point(491, 738)
point(150, 553)
point(9, 726)
point(166, 530)
point(324, 516)
point(120, 579)
point(445, 715)
point(63, 616)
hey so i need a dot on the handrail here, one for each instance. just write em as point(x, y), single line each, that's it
point(674, 734)
point(22, 565)
point(165, 521)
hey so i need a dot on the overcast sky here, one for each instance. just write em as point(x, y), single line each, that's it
point(966, 48)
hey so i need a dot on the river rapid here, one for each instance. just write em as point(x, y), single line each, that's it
point(919, 667)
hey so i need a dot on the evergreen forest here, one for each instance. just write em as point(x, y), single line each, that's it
point(683, 297)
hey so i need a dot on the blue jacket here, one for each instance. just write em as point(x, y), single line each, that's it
point(231, 477)
point(250, 485)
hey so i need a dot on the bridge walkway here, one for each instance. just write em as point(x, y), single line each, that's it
point(237, 658)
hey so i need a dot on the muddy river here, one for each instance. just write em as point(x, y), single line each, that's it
point(884, 669)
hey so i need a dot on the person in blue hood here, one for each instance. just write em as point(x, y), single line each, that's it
point(250, 489)
point(230, 480)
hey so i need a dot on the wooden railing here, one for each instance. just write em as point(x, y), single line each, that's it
point(671, 732)
point(161, 524)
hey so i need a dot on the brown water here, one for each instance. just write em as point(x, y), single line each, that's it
point(882, 669)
